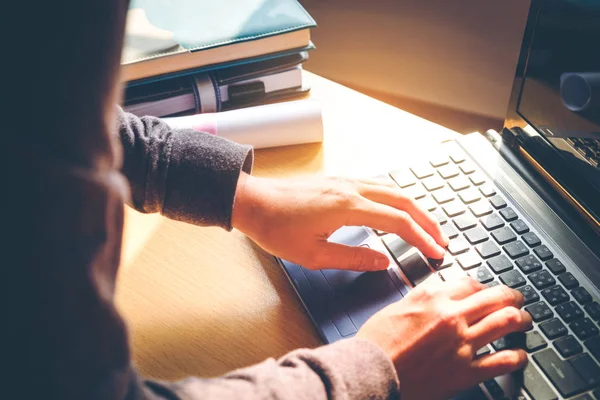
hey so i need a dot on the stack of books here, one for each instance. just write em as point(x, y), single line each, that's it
point(203, 56)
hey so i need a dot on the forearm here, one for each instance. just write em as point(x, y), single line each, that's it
point(184, 174)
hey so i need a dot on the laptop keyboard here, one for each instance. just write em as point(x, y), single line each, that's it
point(493, 243)
point(588, 148)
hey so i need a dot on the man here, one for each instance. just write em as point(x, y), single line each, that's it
point(65, 338)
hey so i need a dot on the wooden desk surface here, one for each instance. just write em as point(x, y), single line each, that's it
point(202, 301)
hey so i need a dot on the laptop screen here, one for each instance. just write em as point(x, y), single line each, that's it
point(561, 87)
point(555, 102)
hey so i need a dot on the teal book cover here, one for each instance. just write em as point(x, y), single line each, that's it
point(158, 28)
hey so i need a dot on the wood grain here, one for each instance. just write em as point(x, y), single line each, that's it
point(202, 301)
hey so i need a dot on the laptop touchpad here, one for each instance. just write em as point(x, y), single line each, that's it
point(361, 294)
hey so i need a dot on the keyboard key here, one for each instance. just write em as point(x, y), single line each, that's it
point(584, 328)
point(542, 279)
point(415, 192)
point(514, 340)
point(450, 231)
point(487, 190)
point(457, 156)
point(568, 280)
point(492, 284)
point(443, 195)
point(529, 294)
point(593, 345)
point(415, 269)
point(492, 222)
point(594, 310)
point(396, 246)
point(531, 239)
point(428, 203)
point(480, 208)
point(539, 311)
point(504, 235)
point(439, 160)
point(469, 196)
point(452, 273)
point(553, 328)
point(483, 351)
point(508, 214)
point(500, 264)
point(464, 222)
point(476, 235)
point(446, 262)
point(568, 346)
point(556, 267)
point(596, 394)
point(453, 208)
point(516, 249)
point(440, 216)
point(569, 311)
point(588, 369)
point(519, 226)
point(482, 274)
point(555, 295)
point(468, 260)
point(528, 264)
point(581, 295)
point(459, 183)
point(535, 385)
point(534, 341)
point(487, 250)
point(403, 178)
point(458, 246)
point(494, 388)
point(512, 279)
point(543, 252)
point(448, 171)
point(584, 396)
point(422, 171)
point(433, 183)
point(562, 375)
point(467, 168)
point(497, 202)
point(477, 178)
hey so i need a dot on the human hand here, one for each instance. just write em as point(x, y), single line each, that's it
point(435, 331)
point(293, 218)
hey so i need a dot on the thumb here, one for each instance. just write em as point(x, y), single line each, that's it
point(339, 256)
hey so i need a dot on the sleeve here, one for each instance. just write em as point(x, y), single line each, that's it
point(347, 370)
point(184, 174)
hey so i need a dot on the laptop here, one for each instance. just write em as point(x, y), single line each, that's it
point(522, 208)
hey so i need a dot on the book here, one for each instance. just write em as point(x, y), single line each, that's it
point(164, 37)
point(179, 98)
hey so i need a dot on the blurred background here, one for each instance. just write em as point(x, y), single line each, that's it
point(451, 62)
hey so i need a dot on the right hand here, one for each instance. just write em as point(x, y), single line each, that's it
point(432, 336)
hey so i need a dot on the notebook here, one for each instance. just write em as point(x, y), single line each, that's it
point(168, 37)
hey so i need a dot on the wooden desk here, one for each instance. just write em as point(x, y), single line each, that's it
point(202, 301)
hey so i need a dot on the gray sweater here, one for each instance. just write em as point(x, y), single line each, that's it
point(69, 176)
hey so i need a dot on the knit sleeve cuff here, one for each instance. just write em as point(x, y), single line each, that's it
point(202, 178)
point(361, 370)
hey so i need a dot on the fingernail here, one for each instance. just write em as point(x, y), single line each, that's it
point(440, 251)
point(381, 262)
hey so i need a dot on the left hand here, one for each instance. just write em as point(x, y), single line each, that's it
point(293, 218)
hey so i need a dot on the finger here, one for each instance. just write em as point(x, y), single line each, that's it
point(392, 220)
point(339, 256)
point(461, 288)
point(500, 363)
point(393, 197)
point(487, 301)
point(498, 324)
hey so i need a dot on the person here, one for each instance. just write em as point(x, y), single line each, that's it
point(72, 172)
